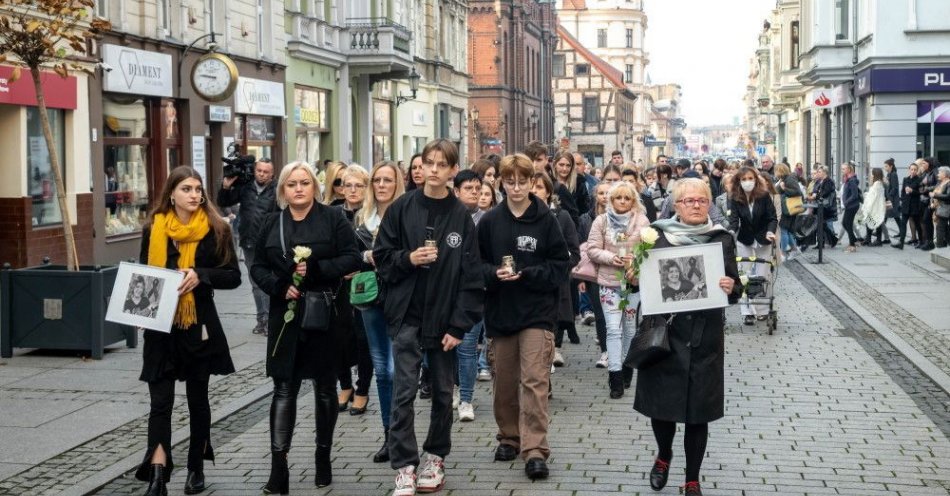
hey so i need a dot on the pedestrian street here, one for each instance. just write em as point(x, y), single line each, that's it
point(820, 407)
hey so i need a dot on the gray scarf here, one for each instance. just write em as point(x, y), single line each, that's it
point(679, 234)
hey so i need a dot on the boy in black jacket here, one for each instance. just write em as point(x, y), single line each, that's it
point(433, 296)
point(520, 312)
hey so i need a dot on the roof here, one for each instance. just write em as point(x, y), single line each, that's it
point(611, 73)
point(574, 5)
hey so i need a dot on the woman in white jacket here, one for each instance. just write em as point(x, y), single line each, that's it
point(613, 235)
point(873, 210)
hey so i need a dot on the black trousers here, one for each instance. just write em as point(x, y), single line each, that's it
point(283, 411)
point(407, 358)
point(364, 363)
point(927, 225)
point(162, 399)
point(848, 223)
point(600, 323)
point(942, 228)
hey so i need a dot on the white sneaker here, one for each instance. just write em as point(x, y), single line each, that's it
point(405, 482)
point(558, 358)
point(484, 375)
point(552, 368)
point(466, 412)
point(602, 363)
point(588, 318)
point(455, 398)
point(431, 474)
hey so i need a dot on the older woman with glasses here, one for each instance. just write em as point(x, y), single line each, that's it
point(687, 386)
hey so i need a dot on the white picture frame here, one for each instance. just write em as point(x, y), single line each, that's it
point(700, 267)
point(144, 296)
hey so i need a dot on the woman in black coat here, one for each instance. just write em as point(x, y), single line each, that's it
point(910, 208)
point(752, 216)
point(294, 354)
point(687, 386)
point(185, 232)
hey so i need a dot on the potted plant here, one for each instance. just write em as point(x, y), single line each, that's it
point(53, 306)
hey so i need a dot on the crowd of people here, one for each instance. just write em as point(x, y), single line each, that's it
point(433, 277)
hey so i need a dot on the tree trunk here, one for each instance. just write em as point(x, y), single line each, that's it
point(72, 255)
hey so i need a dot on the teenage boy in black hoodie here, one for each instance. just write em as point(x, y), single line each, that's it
point(520, 312)
point(433, 296)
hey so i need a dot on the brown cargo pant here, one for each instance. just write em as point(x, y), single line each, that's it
point(522, 370)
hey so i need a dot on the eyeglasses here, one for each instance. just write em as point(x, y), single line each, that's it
point(509, 183)
point(624, 198)
point(383, 180)
point(694, 202)
point(354, 186)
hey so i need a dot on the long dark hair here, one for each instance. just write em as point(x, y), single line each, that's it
point(224, 248)
point(739, 194)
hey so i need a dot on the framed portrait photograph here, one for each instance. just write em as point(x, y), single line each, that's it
point(682, 279)
point(144, 296)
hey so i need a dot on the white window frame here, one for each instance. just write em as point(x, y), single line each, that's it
point(163, 21)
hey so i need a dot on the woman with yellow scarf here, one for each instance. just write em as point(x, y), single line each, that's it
point(185, 232)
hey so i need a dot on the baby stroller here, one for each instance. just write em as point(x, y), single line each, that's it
point(758, 288)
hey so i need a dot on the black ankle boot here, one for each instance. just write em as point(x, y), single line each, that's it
point(324, 471)
point(383, 454)
point(156, 483)
point(627, 377)
point(615, 380)
point(279, 480)
point(195, 482)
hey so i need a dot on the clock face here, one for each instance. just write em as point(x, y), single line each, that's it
point(213, 78)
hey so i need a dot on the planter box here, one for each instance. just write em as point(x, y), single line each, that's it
point(53, 308)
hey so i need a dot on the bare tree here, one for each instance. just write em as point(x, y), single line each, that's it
point(56, 34)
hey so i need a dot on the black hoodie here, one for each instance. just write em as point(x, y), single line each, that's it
point(541, 256)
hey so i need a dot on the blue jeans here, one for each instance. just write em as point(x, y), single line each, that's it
point(381, 352)
point(788, 240)
point(468, 362)
point(585, 304)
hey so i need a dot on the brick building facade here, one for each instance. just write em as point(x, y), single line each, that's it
point(510, 96)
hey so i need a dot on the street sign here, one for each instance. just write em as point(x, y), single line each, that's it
point(760, 150)
point(649, 142)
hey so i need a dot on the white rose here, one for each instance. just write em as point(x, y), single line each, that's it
point(301, 253)
point(649, 235)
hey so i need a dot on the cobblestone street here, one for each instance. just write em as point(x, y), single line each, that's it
point(824, 406)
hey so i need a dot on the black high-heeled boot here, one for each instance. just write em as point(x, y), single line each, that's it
point(279, 480)
point(627, 377)
point(615, 381)
point(327, 414)
point(383, 454)
point(324, 475)
point(156, 483)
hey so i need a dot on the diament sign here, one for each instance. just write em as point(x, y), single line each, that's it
point(257, 96)
point(915, 80)
point(137, 71)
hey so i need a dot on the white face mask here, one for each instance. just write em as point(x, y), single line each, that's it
point(748, 186)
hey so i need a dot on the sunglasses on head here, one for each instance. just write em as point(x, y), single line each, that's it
point(337, 182)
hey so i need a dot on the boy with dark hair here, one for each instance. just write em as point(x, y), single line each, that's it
point(524, 261)
point(426, 253)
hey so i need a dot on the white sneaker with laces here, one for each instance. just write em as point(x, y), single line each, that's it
point(484, 375)
point(405, 482)
point(602, 363)
point(455, 398)
point(558, 358)
point(466, 412)
point(588, 318)
point(431, 474)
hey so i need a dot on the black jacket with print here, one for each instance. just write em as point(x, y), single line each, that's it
point(541, 256)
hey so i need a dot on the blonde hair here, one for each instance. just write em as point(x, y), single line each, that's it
point(690, 183)
point(571, 183)
point(285, 175)
point(333, 170)
point(625, 187)
point(369, 202)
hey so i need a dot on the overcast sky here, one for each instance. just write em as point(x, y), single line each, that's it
point(705, 46)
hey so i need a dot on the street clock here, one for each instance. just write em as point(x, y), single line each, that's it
point(214, 77)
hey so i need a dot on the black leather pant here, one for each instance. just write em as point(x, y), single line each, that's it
point(283, 411)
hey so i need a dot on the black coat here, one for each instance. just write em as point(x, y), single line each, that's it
point(581, 198)
point(892, 193)
point(688, 385)
point(790, 189)
point(334, 254)
point(565, 310)
point(182, 354)
point(254, 208)
point(753, 226)
point(454, 289)
point(910, 202)
point(851, 196)
point(824, 191)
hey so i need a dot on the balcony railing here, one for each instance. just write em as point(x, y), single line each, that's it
point(377, 35)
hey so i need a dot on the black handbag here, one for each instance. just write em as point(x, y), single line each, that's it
point(316, 312)
point(651, 343)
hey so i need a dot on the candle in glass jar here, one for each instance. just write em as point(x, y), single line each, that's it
point(508, 262)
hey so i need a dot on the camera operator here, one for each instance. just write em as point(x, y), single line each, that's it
point(257, 199)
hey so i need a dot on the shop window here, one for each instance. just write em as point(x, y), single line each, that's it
point(311, 120)
point(41, 183)
point(382, 141)
point(126, 164)
point(256, 135)
point(933, 130)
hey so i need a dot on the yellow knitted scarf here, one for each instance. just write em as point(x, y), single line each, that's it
point(165, 226)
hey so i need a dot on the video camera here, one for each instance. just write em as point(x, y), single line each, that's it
point(239, 166)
